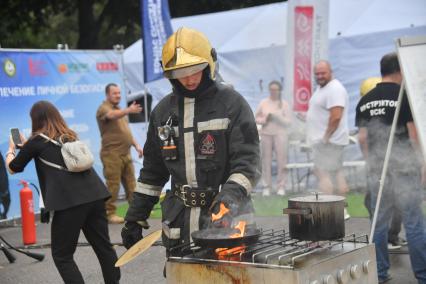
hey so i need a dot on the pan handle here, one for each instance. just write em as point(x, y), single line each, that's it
point(299, 211)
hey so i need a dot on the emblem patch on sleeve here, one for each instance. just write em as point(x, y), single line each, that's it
point(207, 145)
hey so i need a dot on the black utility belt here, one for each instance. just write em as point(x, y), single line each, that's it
point(195, 197)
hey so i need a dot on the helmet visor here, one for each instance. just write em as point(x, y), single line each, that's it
point(184, 71)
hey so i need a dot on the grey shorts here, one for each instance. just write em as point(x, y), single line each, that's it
point(328, 157)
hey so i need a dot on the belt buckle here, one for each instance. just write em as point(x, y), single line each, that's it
point(183, 192)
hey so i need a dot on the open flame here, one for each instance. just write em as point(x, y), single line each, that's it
point(240, 226)
point(222, 212)
point(233, 253)
point(229, 253)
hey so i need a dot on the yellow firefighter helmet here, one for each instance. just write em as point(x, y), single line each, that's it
point(187, 52)
point(368, 84)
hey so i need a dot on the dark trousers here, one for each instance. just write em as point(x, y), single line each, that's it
point(65, 230)
point(4, 190)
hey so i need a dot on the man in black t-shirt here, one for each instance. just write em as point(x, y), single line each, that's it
point(374, 116)
point(386, 115)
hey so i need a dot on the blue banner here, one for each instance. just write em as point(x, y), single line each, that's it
point(156, 28)
point(73, 80)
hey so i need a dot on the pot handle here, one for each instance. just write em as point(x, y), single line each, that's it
point(299, 211)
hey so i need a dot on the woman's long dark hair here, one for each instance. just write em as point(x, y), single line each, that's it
point(46, 119)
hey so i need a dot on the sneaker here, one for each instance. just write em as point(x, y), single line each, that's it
point(281, 192)
point(266, 192)
point(114, 219)
point(346, 214)
point(396, 244)
point(402, 241)
point(393, 246)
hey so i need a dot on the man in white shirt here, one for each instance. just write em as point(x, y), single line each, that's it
point(327, 129)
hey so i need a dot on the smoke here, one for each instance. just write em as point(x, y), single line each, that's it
point(274, 118)
point(403, 157)
point(403, 160)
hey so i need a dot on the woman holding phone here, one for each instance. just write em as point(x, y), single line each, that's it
point(76, 198)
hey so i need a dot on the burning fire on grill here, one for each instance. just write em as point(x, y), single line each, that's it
point(228, 253)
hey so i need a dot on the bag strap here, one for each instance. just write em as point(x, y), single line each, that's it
point(53, 165)
point(50, 139)
point(50, 163)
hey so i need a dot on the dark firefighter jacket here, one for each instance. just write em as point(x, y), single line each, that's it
point(217, 144)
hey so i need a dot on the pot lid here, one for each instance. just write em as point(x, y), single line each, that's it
point(321, 198)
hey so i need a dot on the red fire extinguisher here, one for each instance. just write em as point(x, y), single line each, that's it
point(27, 214)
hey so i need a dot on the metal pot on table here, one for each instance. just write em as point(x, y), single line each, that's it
point(316, 217)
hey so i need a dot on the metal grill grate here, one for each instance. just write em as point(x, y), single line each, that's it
point(274, 247)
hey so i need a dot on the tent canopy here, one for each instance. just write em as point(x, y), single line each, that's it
point(251, 43)
point(265, 25)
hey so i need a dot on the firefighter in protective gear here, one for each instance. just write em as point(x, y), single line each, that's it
point(203, 135)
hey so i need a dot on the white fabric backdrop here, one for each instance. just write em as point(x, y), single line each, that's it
point(251, 44)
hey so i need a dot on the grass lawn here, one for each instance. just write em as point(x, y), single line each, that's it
point(156, 212)
point(273, 206)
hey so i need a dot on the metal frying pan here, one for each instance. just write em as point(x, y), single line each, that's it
point(220, 237)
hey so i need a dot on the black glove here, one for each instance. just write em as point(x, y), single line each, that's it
point(141, 206)
point(234, 197)
point(131, 234)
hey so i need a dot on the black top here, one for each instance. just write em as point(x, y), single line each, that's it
point(376, 111)
point(60, 189)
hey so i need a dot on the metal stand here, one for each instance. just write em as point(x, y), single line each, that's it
point(10, 257)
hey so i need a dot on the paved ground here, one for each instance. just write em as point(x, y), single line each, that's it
point(148, 267)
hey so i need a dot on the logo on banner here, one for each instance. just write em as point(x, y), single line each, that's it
point(9, 68)
point(73, 68)
point(302, 22)
point(36, 67)
point(107, 66)
point(63, 68)
point(208, 145)
point(302, 96)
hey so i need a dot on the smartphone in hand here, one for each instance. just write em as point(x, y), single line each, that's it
point(16, 137)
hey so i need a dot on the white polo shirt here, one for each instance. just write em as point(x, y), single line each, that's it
point(324, 98)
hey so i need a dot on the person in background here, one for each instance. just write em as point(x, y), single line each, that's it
point(402, 186)
point(76, 198)
point(115, 150)
point(394, 241)
point(4, 189)
point(368, 84)
point(327, 130)
point(273, 114)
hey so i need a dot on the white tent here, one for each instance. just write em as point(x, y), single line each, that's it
point(251, 43)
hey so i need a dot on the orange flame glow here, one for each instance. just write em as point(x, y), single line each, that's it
point(229, 254)
point(240, 226)
point(222, 212)
point(233, 253)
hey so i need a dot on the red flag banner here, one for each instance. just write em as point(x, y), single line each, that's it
point(302, 69)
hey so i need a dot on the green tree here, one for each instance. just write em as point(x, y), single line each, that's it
point(181, 8)
point(89, 24)
point(85, 24)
